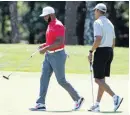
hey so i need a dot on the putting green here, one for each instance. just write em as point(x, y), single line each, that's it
point(21, 91)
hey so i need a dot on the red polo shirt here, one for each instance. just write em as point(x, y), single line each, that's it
point(55, 29)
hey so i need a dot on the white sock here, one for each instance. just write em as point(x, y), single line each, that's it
point(97, 103)
point(114, 97)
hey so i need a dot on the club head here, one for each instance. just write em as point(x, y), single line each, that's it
point(6, 77)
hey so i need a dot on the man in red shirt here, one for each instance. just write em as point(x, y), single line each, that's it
point(55, 59)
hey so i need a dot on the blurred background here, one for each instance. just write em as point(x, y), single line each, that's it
point(20, 21)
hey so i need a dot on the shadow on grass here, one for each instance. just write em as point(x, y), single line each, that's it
point(108, 112)
point(64, 111)
point(59, 111)
point(68, 111)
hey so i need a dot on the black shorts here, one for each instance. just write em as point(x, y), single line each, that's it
point(103, 57)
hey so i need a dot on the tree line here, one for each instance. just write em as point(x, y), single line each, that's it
point(20, 21)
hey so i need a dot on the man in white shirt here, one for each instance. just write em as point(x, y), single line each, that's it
point(104, 42)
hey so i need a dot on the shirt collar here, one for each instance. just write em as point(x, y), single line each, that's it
point(102, 17)
point(52, 21)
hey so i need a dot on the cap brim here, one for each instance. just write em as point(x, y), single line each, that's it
point(103, 11)
point(93, 9)
point(42, 15)
point(98, 9)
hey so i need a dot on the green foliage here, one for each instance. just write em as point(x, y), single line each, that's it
point(32, 27)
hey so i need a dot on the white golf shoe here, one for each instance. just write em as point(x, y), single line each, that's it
point(38, 107)
point(95, 108)
point(117, 102)
point(78, 104)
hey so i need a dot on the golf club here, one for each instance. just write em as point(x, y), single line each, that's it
point(91, 70)
point(7, 77)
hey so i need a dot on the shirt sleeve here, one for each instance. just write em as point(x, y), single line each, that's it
point(97, 29)
point(59, 31)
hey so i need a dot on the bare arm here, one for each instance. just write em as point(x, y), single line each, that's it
point(94, 47)
point(96, 43)
point(113, 45)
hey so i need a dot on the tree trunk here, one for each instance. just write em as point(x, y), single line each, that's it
point(88, 31)
point(70, 22)
point(31, 30)
point(80, 22)
point(112, 17)
point(31, 37)
point(3, 24)
point(15, 38)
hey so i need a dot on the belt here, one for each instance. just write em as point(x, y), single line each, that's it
point(104, 48)
point(55, 50)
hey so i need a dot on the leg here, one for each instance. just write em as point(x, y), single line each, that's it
point(101, 65)
point(101, 68)
point(117, 99)
point(107, 69)
point(44, 81)
point(99, 74)
point(100, 92)
point(58, 65)
point(104, 86)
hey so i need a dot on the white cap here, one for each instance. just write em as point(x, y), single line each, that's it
point(47, 10)
point(102, 7)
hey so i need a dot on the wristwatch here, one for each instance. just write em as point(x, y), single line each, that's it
point(90, 51)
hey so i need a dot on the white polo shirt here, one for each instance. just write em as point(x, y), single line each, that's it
point(103, 27)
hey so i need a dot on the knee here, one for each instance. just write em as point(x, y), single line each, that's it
point(97, 81)
point(62, 82)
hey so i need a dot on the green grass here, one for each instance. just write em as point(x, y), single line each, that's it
point(12, 55)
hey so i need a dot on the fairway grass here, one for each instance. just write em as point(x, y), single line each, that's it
point(12, 55)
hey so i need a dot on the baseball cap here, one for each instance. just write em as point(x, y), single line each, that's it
point(47, 10)
point(102, 7)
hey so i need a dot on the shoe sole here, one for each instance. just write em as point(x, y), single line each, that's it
point(32, 109)
point(119, 104)
point(93, 111)
point(80, 105)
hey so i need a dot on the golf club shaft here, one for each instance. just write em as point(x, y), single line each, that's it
point(35, 52)
point(91, 68)
point(92, 82)
point(23, 63)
